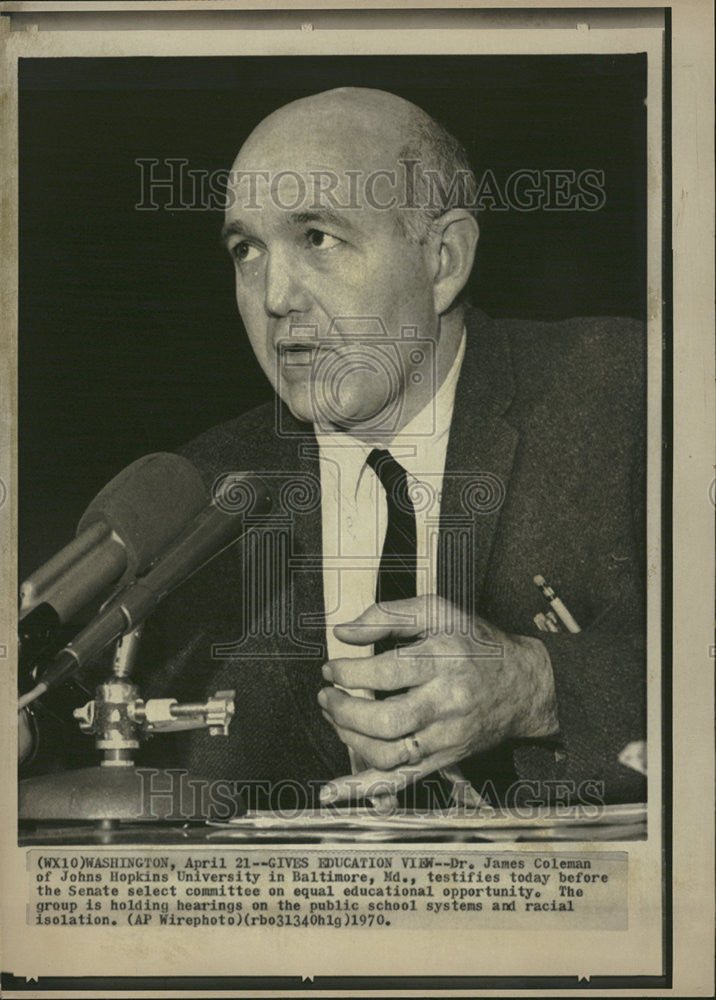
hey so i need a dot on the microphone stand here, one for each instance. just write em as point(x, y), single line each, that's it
point(120, 720)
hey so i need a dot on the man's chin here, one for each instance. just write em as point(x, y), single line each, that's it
point(333, 422)
point(300, 404)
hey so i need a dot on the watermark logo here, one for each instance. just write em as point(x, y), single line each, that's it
point(272, 563)
point(172, 796)
point(356, 358)
point(172, 184)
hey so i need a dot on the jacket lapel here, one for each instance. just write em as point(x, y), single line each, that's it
point(301, 500)
point(480, 455)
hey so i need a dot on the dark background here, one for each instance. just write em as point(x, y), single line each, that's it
point(130, 341)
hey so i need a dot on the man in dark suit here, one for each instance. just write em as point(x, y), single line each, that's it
point(350, 225)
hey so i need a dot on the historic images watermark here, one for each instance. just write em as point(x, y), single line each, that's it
point(271, 564)
point(171, 184)
point(172, 795)
point(354, 352)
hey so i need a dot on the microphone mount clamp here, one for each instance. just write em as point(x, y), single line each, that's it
point(119, 718)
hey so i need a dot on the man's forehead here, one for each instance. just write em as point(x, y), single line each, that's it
point(339, 150)
point(323, 152)
point(299, 184)
point(324, 135)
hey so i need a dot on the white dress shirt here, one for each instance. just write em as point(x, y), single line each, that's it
point(354, 515)
point(354, 508)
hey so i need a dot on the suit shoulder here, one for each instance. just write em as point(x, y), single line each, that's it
point(621, 339)
point(600, 357)
point(240, 444)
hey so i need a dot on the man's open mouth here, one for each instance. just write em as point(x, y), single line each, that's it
point(296, 353)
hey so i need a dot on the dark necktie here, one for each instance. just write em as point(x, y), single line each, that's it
point(397, 574)
point(397, 579)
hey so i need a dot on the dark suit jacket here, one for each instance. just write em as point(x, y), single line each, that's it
point(544, 474)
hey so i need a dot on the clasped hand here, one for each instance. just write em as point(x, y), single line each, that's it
point(464, 686)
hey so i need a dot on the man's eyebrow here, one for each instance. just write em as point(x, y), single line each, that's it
point(323, 216)
point(234, 228)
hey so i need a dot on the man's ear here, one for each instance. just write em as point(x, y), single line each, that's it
point(452, 244)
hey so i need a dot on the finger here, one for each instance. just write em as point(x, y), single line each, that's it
point(388, 671)
point(25, 737)
point(382, 754)
point(393, 619)
point(385, 805)
point(375, 782)
point(389, 719)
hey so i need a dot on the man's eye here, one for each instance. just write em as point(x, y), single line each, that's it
point(243, 252)
point(322, 241)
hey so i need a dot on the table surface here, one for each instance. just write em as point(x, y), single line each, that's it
point(362, 825)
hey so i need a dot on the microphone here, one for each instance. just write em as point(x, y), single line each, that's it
point(236, 506)
point(128, 524)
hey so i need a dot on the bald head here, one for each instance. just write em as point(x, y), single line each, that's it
point(367, 131)
point(378, 120)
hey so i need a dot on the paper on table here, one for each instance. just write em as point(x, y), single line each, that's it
point(626, 821)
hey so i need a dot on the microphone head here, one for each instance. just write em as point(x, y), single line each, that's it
point(148, 504)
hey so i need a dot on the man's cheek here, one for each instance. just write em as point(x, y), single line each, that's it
point(266, 358)
point(270, 366)
point(250, 297)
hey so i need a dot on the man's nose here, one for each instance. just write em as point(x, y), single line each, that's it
point(285, 291)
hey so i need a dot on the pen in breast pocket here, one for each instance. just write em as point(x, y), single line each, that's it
point(557, 605)
point(547, 623)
